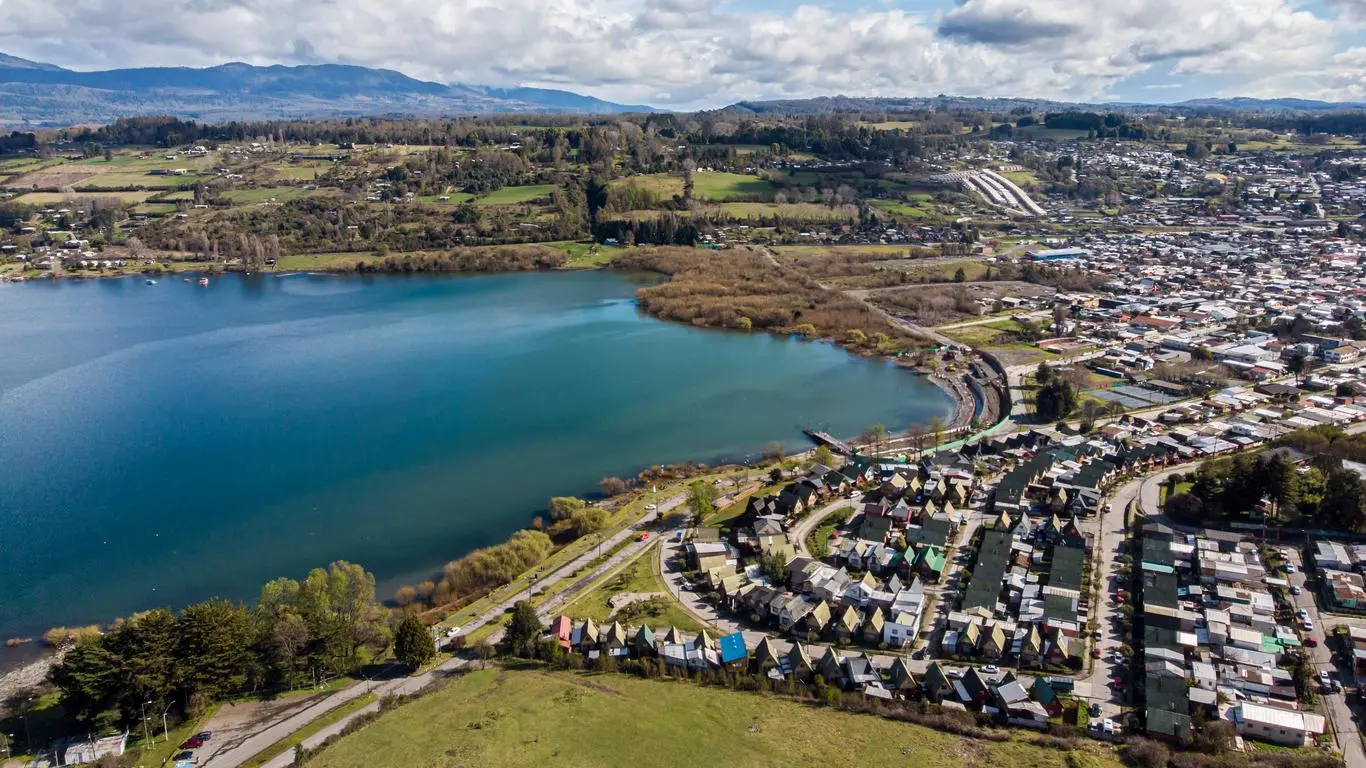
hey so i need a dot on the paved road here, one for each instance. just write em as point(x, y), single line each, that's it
point(804, 528)
point(243, 750)
point(1335, 705)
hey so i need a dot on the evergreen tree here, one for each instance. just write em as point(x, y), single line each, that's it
point(524, 629)
point(413, 644)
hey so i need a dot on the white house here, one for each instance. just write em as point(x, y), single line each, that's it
point(1279, 726)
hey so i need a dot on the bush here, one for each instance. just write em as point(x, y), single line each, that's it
point(1144, 753)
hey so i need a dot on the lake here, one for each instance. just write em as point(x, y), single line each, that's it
point(162, 444)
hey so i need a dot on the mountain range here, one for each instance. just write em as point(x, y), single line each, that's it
point(44, 95)
point(35, 94)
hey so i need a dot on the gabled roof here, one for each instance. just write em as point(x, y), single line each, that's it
point(645, 637)
point(831, 668)
point(798, 658)
point(935, 680)
point(765, 654)
point(616, 634)
point(902, 679)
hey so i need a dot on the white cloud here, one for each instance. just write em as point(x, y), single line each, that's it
point(702, 52)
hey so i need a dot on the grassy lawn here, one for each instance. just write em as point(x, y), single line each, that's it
point(456, 198)
point(641, 575)
point(495, 717)
point(891, 125)
point(516, 195)
point(264, 194)
point(52, 198)
point(328, 718)
point(586, 255)
point(726, 186)
point(113, 180)
point(805, 211)
point(156, 209)
point(1022, 178)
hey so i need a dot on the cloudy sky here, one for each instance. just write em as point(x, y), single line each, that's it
point(708, 53)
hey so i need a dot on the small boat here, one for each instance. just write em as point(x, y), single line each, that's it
point(185, 280)
point(203, 281)
point(150, 281)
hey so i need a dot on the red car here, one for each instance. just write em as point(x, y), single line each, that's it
point(1095, 653)
point(1311, 641)
point(644, 537)
point(192, 743)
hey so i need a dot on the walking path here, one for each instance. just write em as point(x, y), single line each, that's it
point(232, 755)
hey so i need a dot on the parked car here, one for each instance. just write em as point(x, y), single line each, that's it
point(453, 631)
point(954, 674)
point(1098, 634)
point(645, 537)
point(1289, 567)
point(991, 669)
point(1095, 710)
point(1308, 625)
point(1302, 613)
point(1311, 641)
point(204, 735)
point(1294, 590)
point(1325, 678)
point(1095, 653)
point(186, 755)
point(194, 742)
point(651, 507)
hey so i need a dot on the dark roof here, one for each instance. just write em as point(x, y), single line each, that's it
point(985, 586)
point(1067, 566)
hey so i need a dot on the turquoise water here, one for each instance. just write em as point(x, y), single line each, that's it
point(164, 444)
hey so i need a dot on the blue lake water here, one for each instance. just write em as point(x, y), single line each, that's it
point(164, 444)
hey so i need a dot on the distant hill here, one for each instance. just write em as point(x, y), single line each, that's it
point(827, 104)
point(33, 93)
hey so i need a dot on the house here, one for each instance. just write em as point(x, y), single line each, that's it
point(797, 664)
point(972, 689)
point(994, 642)
point(929, 562)
point(903, 683)
point(615, 641)
point(815, 622)
point(847, 625)
point(874, 626)
point(901, 630)
point(765, 657)
point(644, 641)
point(1043, 692)
point(935, 684)
point(588, 636)
point(831, 669)
point(734, 654)
point(1276, 725)
point(562, 630)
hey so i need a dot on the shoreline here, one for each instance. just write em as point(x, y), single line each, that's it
point(27, 675)
point(20, 666)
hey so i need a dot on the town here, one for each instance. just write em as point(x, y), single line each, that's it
point(1146, 521)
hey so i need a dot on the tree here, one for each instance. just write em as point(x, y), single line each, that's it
point(1346, 389)
point(1185, 506)
point(589, 520)
point(774, 567)
point(1281, 482)
point(744, 323)
point(216, 637)
point(876, 435)
point(1344, 500)
point(524, 629)
point(1055, 400)
point(1296, 364)
point(774, 451)
point(824, 456)
point(959, 275)
point(701, 499)
point(564, 507)
point(88, 677)
point(413, 643)
point(405, 595)
point(1043, 374)
point(936, 430)
point(1090, 411)
point(612, 486)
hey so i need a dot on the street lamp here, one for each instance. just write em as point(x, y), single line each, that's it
point(145, 731)
point(166, 731)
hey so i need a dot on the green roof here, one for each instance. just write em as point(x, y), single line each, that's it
point(930, 556)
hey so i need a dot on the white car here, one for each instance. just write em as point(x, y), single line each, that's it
point(991, 669)
point(1308, 625)
point(1302, 613)
point(651, 507)
point(1289, 567)
point(453, 631)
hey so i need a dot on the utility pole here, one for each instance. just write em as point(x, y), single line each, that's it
point(165, 729)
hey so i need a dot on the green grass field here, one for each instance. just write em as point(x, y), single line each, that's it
point(639, 576)
point(155, 209)
point(516, 195)
point(586, 255)
point(264, 194)
point(914, 211)
point(53, 198)
point(456, 198)
point(891, 125)
point(795, 211)
point(146, 181)
point(721, 187)
point(519, 717)
point(307, 171)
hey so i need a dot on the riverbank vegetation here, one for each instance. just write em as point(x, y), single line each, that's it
point(743, 289)
point(298, 631)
